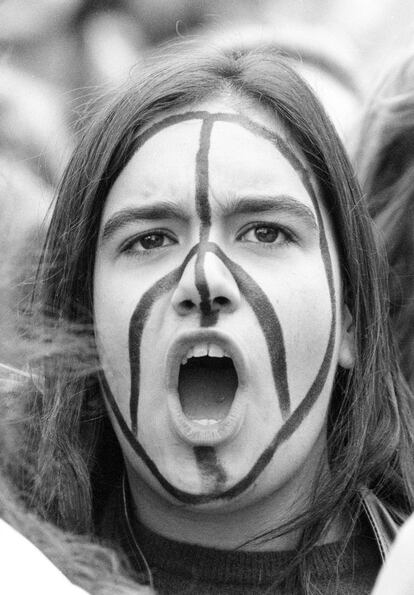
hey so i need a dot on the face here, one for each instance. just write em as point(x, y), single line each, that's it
point(217, 308)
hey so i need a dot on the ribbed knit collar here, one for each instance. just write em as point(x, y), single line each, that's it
point(247, 568)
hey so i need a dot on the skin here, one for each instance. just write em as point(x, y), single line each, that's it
point(250, 258)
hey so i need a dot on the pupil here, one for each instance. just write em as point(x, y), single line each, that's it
point(266, 234)
point(153, 240)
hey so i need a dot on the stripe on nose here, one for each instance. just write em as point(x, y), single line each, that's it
point(217, 293)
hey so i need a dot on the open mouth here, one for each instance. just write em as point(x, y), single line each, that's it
point(207, 385)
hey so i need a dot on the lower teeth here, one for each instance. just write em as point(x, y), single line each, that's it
point(206, 422)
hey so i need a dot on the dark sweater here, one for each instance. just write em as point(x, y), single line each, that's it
point(180, 568)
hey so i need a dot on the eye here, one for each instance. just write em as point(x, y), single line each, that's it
point(147, 242)
point(262, 233)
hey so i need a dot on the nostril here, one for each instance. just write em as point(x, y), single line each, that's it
point(187, 305)
point(221, 301)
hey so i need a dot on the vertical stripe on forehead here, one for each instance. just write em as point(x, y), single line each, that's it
point(202, 175)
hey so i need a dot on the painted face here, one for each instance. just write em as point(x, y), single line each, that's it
point(217, 308)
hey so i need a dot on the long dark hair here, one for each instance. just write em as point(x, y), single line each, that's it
point(385, 162)
point(86, 563)
point(370, 440)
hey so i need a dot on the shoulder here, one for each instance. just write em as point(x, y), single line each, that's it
point(26, 570)
point(384, 521)
point(397, 576)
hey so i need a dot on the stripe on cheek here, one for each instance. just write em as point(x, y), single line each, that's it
point(268, 322)
point(136, 329)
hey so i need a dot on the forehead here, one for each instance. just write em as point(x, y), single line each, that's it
point(239, 160)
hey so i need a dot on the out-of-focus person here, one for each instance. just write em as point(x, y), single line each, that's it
point(163, 20)
point(384, 159)
point(33, 125)
point(58, 57)
point(328, 63)
point(24, 203)
point(54, 40)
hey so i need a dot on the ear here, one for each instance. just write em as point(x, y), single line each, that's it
point(346, 354)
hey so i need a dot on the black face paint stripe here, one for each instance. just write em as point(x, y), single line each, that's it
point(169, 281)
point(207, 316)
point(136, 328)
point(165, 123)
point(268, 322)
point(182, 496)
point(259, 303)
point(210, 467)
point(201, 194)
point(139, 450)
point(326, 258)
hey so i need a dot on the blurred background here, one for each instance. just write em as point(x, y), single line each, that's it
point(57, 56)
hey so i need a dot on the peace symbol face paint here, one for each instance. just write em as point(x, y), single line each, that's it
point(217, 308)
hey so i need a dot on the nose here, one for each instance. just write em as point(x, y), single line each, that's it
point(206, 289)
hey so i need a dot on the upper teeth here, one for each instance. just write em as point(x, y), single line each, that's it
point(203, 350)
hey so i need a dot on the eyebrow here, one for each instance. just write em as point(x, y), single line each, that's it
point(154, 212)
point(269, 203)
point(237, 206)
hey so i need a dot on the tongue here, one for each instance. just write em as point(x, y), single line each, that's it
point(207, 386)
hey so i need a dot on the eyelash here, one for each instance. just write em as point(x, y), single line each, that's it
point(128, 246)
point(288, 239)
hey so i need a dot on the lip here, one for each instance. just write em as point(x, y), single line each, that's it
point(190, 430)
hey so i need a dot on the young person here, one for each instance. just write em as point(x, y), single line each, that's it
point(210, 288)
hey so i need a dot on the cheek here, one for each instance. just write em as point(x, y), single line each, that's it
point(113, 308)
point(302, 303)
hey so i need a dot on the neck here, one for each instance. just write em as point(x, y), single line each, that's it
point(230, 526)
